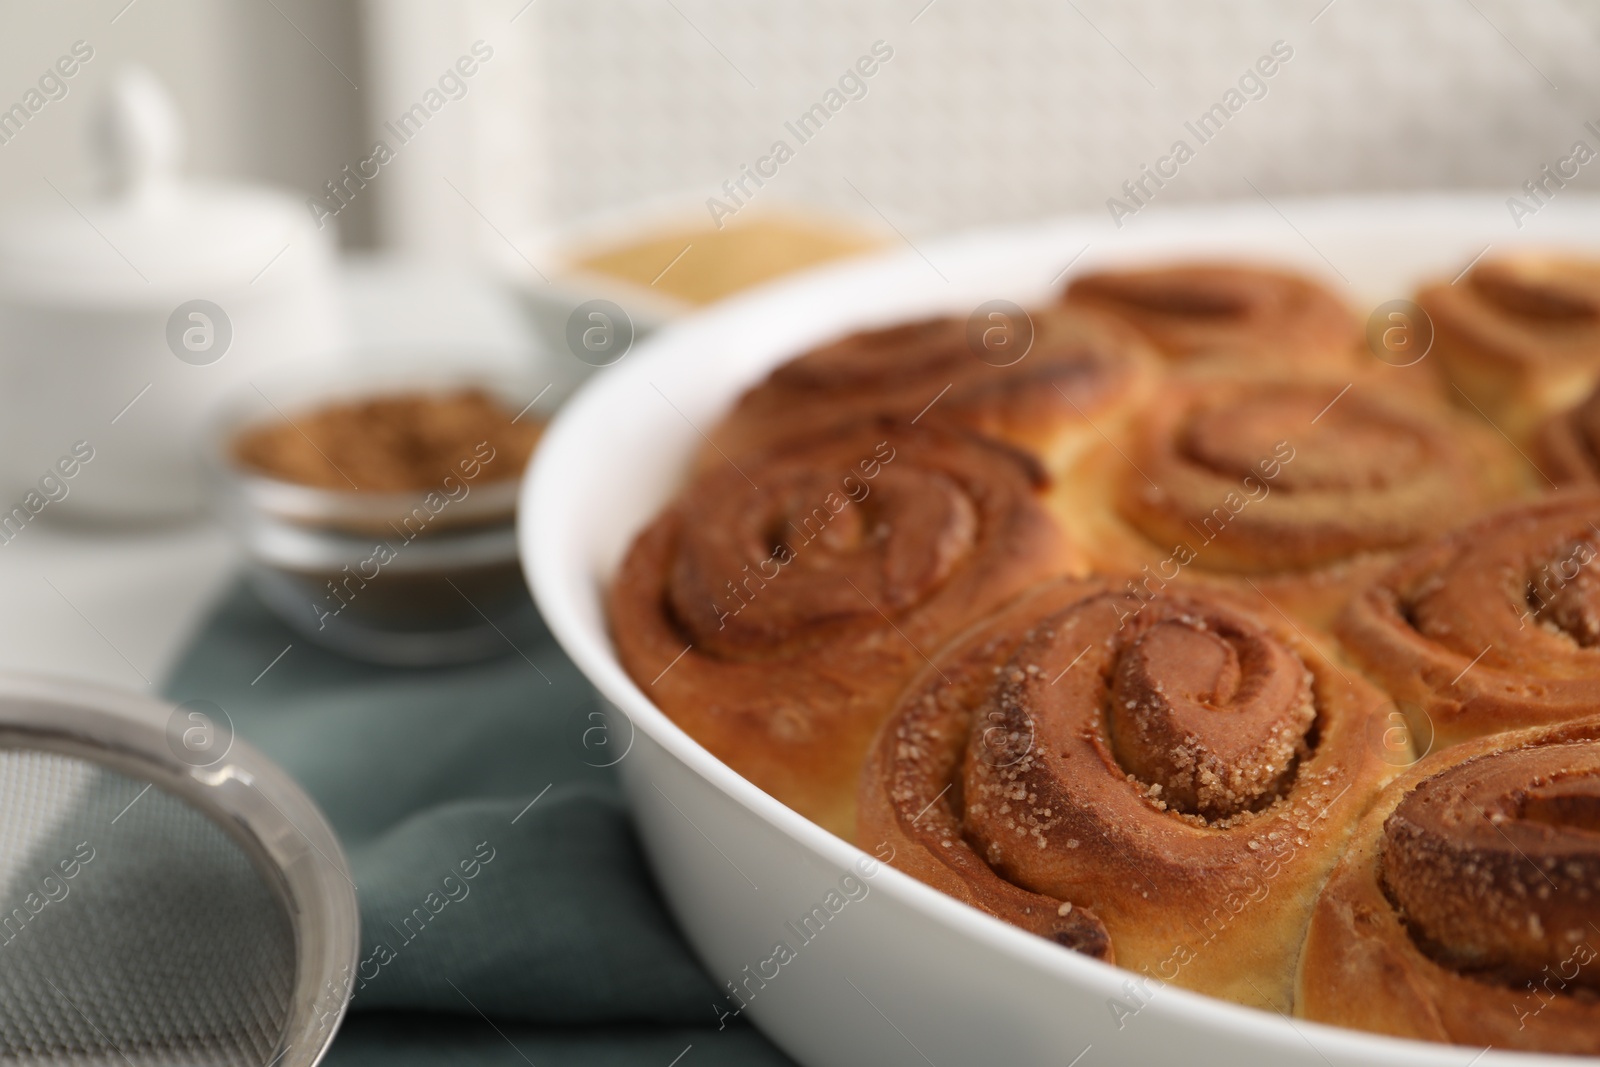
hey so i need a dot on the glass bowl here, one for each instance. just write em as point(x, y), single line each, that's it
point(420, 577)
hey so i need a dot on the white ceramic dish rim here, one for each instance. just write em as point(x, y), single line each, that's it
point(567, 576)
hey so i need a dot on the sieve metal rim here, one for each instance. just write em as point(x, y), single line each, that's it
point(244, 793)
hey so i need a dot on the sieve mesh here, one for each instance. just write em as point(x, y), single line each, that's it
point(133, 929)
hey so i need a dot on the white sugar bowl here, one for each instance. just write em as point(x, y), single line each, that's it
point(129, 305)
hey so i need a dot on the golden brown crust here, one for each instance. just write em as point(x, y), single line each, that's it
point(1076, 368)
point(909, 793)
point(1568, 444)
point(776, 625)
point(1300, 491)
point(1465, 909)
point(1260, 319)
point(1493, 626)
point(1013, 775)
point(1518, 337)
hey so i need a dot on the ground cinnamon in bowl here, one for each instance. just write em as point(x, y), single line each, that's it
point(383, 525)
point(392, 443)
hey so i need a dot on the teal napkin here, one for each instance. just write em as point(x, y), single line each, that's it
point(507, 914)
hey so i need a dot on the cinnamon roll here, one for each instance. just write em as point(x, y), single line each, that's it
point(1038, 381)
point(1568, 444)
point(1466, 910)
point(1163, 783)
point(777, 607)
point(1300, 491)
point(1250, 317)
point(1493, 626)
point(1519, 336)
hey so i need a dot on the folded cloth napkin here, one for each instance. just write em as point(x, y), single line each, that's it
point(507, 915)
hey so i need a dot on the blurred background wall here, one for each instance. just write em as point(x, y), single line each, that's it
point(258, 99)
point(986, 112)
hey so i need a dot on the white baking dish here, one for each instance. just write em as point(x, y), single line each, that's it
point(906, 975)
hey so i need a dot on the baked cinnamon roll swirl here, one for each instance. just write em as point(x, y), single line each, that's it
point(1303, 489)
point(1263, 319)
point(1519, 336)
point(1036, 382)
point(1468, 907)
point(1493, 626)
point(777, 607)
point(1568, 444)
point(1165, 783)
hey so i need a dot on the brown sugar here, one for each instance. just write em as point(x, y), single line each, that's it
point(393, 443)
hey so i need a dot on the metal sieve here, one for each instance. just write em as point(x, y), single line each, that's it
point(167, 894)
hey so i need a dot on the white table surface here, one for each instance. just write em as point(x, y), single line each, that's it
point(119, 606)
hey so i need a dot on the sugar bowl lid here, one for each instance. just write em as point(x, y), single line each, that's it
point(137, 232)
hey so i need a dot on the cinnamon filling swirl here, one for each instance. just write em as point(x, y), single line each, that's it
point(776, 609)
point(1215, 715)
point(1569, 444)
point(1267, 319)
point(1196, 704)
point(1494, 864)
point(826, 552)
point(1178, 770)
point(1493, 627)
point(1258, 477)
point(1067, 366)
